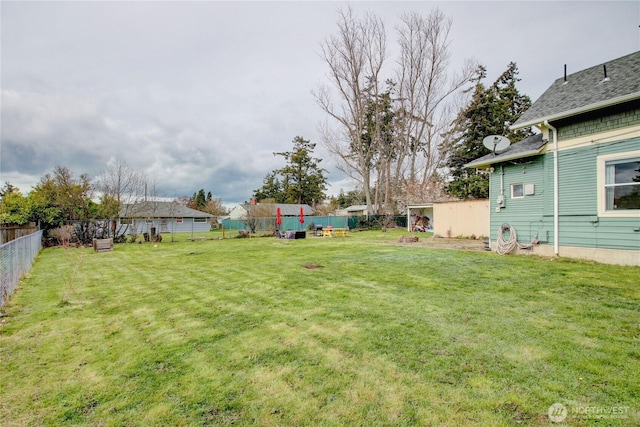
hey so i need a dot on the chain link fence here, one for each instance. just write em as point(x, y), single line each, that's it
point(16, 259)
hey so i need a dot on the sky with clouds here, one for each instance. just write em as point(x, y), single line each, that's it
point(200, 94)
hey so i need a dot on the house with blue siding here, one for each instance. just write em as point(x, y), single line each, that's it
point(573, 189)
point(162, 217)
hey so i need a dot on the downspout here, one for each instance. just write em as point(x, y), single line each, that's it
point(556, 227)
point(501, 198)
point(491, 169)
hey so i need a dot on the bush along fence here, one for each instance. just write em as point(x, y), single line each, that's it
point(16, 259)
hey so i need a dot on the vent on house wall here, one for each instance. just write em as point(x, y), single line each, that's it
point(529, 189)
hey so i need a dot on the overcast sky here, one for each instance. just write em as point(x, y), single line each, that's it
point(200, 94)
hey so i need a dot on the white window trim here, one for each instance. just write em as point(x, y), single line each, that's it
point(200, 220)
point(513, 185)
point(601, 174)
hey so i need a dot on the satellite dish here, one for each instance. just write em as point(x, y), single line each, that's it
point(496, 143)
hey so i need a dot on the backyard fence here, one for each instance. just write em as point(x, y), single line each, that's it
point(9, 232)
point(293, 223)
point(16, 259)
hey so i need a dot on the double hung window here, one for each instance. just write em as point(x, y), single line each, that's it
point(622, 184)
point(619, 182)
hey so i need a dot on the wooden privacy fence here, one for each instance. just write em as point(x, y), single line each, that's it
point(9, 232)
point(461, 218)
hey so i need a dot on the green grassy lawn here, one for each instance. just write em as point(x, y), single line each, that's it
point(242, 332)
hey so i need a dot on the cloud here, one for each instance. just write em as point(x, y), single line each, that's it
point(200, 94)
point(39, 127)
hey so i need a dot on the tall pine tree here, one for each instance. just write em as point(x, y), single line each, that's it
point(302, 180)
point(490, 112)
point(271, 188)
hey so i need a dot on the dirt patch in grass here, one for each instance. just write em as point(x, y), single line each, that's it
point(225, 417)
point(312, 266)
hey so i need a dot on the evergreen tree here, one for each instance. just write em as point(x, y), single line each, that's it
point(352, 197)
point(379, 135)
point(208, 203)
point(200, 200)
point(272, 188)
point(490, 112)
point(301, 181)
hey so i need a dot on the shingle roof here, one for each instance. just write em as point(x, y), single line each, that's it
point(356, 208)
point(528, 147)
point(160, 210)
point(586, 90)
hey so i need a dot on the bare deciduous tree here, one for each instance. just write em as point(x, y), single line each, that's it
point(355, 56)
point(424, 87)
point(403, 161)
point(257, 214)
point(120, 187)
point(215, 207)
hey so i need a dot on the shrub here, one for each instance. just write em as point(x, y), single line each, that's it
point(62, 234)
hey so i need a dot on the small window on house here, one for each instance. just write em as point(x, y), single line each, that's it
point(125, 221)
point(199, 219)
point(179, 220)
point(149, 221)
point(517, 191)
point(622, 184)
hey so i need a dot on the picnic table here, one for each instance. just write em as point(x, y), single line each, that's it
point(340, 232)
point(334, 232)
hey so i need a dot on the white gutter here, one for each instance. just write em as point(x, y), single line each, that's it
point(486, 163)
point(556, 227)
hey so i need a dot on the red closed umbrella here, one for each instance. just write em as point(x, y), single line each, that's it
point(278, 216)
point(301, 215)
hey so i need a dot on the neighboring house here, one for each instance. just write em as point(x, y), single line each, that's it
point(270, 209)
point(357, 210)
point(575, 186)
point(162, 217)
point(353, 210)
